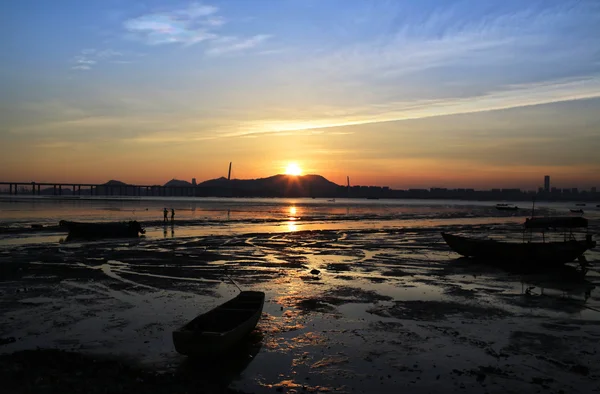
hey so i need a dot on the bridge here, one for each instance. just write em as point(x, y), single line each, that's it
point(92, 189)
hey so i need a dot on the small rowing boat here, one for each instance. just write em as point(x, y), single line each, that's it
point(79, 230)
point(220, 329)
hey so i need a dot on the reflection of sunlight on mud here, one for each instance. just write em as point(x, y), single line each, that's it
point(310, 338)
point(329, 361)
point(292, 387)
point(289, 321)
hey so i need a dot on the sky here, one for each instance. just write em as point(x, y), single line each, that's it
point(398, 93)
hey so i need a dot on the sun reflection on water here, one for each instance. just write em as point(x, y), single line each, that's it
point(291, 226)
point(293, 212)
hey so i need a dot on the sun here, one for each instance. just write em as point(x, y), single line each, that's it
point(293, 169)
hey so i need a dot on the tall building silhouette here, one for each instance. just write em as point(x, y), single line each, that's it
point(547, 183)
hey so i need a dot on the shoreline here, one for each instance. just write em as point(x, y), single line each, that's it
point(24, 197)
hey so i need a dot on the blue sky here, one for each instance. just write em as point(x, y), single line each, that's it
point(242, 80)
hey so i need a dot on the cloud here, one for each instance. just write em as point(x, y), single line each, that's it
point(508, 97)
point(185, 26)
point(159, 29)
point(225, 45)
point(189, 26)
point(89, 57)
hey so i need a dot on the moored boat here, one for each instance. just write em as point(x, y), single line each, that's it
point(544, 253)
point(81, 230)
point(220, 329)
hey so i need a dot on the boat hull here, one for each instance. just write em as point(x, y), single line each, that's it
point(79, 230)
point(546, 253)
point(219, 330)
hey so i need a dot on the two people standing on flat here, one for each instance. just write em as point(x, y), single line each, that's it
point(166, 213)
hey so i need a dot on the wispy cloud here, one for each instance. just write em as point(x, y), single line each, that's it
point(510, 97)
point(90, 57)
point(225, 45)
point(192, 25)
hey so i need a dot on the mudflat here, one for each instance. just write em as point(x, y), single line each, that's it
point(386, 309)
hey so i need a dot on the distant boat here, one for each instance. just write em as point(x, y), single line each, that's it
point(542, 254)
point(220, 329)
point(372, 198)
point(79, 230)
point(332, 200)
point(577, 211)
point(580, 204)
point(506, 207)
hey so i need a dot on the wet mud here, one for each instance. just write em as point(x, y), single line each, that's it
point(346, 311)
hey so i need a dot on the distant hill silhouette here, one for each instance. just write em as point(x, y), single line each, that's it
point(113, 182)
point(178, 183)
point(273, 186)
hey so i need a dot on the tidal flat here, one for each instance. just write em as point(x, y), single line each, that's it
point(389, 309)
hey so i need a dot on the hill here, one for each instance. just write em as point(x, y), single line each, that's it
point(113, 182)
point(178, 183)
point(274, 186)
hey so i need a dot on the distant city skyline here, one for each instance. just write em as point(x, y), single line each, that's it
point(405, 94)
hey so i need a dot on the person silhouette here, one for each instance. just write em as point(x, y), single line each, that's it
point(172, 215)
point(165, 213)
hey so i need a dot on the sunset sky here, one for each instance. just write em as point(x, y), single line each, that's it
point(429, 93)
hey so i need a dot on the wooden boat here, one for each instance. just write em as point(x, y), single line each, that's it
point(538, 253)
point(79, 230)
point(220, 329)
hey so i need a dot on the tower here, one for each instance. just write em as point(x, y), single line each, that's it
point(547, 183)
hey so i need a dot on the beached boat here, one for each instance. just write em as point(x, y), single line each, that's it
point(220, 329)
point(81, 230)
point(544, 253)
